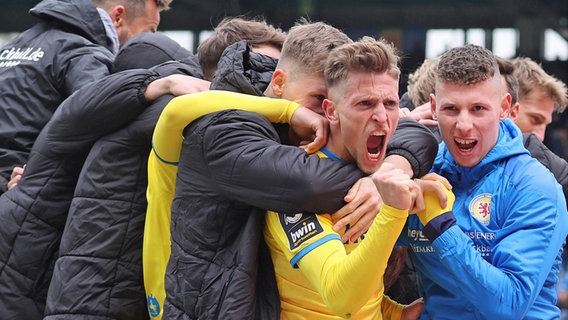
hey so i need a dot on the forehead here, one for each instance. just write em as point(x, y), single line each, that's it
point(267, 50)
point(537, 101)
point(369, 83)
point(482, 90)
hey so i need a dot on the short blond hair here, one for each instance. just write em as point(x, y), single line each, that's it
point(531, 75)
point(366, 55)
point(422, 82)
point(308, 45)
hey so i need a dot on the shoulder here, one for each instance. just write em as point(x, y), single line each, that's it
point(231, 123)
point(529, 178)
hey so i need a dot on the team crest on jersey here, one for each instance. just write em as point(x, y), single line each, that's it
point(480, 207)
point(300, 228)
point(153, 306)
point(291, 219)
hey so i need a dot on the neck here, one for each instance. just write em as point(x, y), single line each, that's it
point(337, 147)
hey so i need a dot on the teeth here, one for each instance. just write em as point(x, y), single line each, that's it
point(462, 141)
point(378, 134)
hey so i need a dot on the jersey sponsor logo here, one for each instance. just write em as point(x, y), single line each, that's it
point(418, 248)
point(416, 235)
point(482, 241)
point(299, 228)
point(14, 56)
point(480, 208)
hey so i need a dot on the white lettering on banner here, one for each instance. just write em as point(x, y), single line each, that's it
point(14, 56)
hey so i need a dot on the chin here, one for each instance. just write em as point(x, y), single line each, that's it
point(370, 167)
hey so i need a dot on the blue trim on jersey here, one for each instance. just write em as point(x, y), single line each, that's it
point(311, 247)
point(330, 154)
point(164, 161)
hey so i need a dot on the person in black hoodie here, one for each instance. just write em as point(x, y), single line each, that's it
point(34, 212)
point(99, 268)
point(525, 80)
point(72, 44)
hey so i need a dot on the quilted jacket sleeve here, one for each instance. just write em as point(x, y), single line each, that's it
point(556, 165)
point(416, 143)
point(244, 156)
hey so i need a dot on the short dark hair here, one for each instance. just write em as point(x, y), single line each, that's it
point(506, 69)
point(231, 30)
point(468, 64)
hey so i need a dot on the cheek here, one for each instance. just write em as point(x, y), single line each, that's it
point(315, 107)
point(393, 116)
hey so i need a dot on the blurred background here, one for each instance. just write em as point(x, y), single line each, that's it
point(420, 29)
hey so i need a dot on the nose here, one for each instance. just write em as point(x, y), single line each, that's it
point(464, 122)
point(380, 113)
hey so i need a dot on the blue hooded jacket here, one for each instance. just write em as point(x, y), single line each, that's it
point(501, 259)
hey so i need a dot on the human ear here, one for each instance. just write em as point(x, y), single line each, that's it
point(278, 82)
point(117, 15)
point(505, 107)
point(433, 106)
point(329, 110)
point(514, 113)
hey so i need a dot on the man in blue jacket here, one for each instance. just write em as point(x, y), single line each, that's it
point(498, 254)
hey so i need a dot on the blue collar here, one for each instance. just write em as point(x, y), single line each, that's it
point(330, 154)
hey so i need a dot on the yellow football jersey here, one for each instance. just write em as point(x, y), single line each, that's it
point(313, 265)
point(162, 169)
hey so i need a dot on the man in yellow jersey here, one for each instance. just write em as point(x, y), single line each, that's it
point(262, 38)
point(318, 275)
point(222, 285)
point(167, 144)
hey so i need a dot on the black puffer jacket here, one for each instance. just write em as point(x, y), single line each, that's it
point(33, 213)
point(232, 168)
point(98, 274)
point(556, 165)
point(65, 50)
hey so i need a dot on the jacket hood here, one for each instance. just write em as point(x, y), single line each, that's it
point(244, 71)
point(80, 15)
point(148, 49)
point(509, 143)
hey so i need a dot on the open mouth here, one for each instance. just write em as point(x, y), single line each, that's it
point(375, 144)
point(465, 145)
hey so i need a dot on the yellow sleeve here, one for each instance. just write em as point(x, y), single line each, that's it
point(391, 309)
point(346, 282)
point(182, 110)
point(162, 170)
